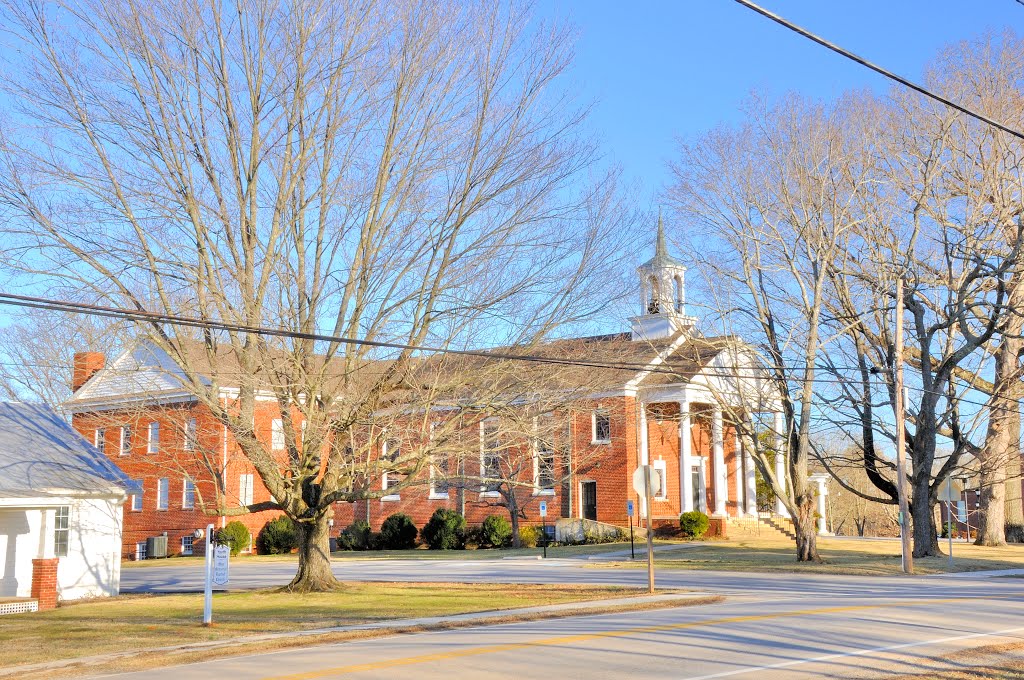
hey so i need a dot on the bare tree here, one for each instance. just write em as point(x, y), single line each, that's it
point(404, 173)
point(770, 201)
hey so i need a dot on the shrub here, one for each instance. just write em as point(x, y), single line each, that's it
point(355, 536)
point(530, 537)
point(398, 532)
point(694, 524)
point(445, 530)
point(473, 536)
point(279, 536)
point(236, 536)
point(496, 531)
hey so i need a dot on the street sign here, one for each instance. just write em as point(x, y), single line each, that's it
point(629, 508)
point(543, 508)
point(950, 491)
point(638, 480)
point(221, 555)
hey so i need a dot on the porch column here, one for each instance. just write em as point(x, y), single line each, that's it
point(644, 454)
point(718, 449)
point(750, 480)
point(779, 427)
point(821, 479)
point(741, 491)
point(685, 459)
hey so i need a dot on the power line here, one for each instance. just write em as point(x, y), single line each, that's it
point(68, 306)
point(878, 69)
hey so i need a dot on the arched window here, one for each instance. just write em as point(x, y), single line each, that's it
point(654, 302)
point(677, 284)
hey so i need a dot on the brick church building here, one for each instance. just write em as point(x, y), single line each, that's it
point(134, 409)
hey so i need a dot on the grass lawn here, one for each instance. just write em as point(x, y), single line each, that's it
point(841, 556)
point(133, 622)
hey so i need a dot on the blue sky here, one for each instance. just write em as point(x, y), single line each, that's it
point(657, 70)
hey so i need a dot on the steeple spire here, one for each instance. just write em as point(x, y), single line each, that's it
point(660, 251)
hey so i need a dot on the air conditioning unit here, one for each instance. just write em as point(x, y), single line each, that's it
point(156, 546)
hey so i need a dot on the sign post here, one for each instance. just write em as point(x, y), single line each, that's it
point(629, 513)
point(950, 494)
point(645, 482)
point(544, 523)
point(208, 593)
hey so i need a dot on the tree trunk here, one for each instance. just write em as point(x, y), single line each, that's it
point(1001, 443)
point(806, 528)
point(513, 513)
point(922, 516)
point(314, 574)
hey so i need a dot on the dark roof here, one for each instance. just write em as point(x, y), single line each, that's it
point(41, 454)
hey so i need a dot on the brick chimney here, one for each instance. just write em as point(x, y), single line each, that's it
point(86, 365)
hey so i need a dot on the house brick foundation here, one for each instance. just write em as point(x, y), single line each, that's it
point(44, 582)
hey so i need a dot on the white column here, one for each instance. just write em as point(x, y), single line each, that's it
point(738, 457)
point(685, 459)
point(644, 455)
point(718, 448)
point(750, 481)
point(821, 479)
point(781, 439)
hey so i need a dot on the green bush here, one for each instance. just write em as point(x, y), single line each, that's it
point(694, 524)
point(398, 532)
point(445, 530)
point(355, 536)
point(473, 536)
point(531, 537)
point(496, 531)
point(278, 537)
point(236, 536)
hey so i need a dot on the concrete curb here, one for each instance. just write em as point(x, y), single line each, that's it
point(397, 625)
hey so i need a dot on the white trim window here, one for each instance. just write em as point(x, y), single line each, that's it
point(245, 483)
point(543, 467)
point(153, 438)
point(490, 458)
point(601, 427)
point(661, 471)
point(125, 445)
point(163, 489)
point(439, 483)
point(277, 434)
point(137, 499)
point(391, 451)
point(188, 494)
point(186, 544)
point(61, 531)
point(191, 439)
point(99, 439)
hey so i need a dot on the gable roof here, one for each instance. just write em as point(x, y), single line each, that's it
point(42, 455)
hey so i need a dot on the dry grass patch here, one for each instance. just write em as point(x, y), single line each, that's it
point(133, 622)
point(993, 662)
point(841, 556)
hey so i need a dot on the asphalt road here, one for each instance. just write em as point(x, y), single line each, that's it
point(771, 626)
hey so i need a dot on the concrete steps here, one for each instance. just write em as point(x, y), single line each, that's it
point(750, 527)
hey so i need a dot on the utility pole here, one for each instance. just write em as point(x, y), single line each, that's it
point(901, 444)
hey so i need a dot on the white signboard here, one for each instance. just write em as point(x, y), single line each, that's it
point(638, 481)
point(221, 554)
point(950, 491)
point(543, 508)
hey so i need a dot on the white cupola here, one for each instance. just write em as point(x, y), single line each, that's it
point(662, 295)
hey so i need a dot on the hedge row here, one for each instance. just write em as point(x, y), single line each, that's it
point(445, 530)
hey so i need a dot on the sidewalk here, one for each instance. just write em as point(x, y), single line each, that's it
point(395, 626)
point(641, 551)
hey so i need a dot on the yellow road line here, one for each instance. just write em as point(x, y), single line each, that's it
point(586, 637)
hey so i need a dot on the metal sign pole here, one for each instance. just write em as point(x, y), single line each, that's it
point(650, 530)
point(208, 597)
point(632, 545)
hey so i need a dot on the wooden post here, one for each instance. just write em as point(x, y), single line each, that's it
point(901, 445)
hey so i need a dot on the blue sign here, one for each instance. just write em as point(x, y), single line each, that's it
point(543, 508)
point(629, 508)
